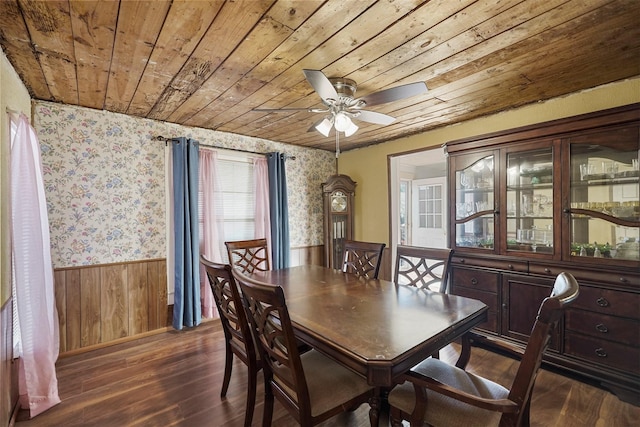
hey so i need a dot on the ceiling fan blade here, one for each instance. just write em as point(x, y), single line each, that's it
point(395, 93)
point(321, 84)
point(373, 117)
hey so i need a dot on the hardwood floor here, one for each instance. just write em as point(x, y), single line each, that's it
point(173, 379)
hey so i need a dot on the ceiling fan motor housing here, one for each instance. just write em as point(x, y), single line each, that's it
point(344, 87)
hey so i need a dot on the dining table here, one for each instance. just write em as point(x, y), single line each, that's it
point(372, 326)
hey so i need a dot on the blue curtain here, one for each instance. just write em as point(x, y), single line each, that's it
point(279, 211)
point(186, 308)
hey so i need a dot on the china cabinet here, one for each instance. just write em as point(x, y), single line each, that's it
point(338, 194)
point(529, 203)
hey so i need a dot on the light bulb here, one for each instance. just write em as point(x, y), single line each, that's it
point(342, 122)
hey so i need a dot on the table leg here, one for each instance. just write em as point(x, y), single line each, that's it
point(376, 403)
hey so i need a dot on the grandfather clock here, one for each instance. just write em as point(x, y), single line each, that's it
point(338, 196)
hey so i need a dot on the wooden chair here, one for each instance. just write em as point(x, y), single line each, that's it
point(249, 255)
point(237, 333)
point(362, 258)
point(311, 386)
point(440, 394)
point(424, 268)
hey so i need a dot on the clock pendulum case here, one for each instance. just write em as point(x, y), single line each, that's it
point(338, 197)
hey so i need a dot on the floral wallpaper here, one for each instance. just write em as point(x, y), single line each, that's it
point(105, 183)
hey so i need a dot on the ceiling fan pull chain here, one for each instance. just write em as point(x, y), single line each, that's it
point(337, 144)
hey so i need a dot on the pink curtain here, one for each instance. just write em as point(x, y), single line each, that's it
point(32, 274)
point(212, 225)
point(262, 217)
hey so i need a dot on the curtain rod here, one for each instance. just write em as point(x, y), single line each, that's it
point(162, 138)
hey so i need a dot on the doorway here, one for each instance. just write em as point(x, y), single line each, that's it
point(419, 205)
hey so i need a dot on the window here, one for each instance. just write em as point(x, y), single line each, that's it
point(237, 187)
point(235, 173)
point(430, 206)
point(404, 197)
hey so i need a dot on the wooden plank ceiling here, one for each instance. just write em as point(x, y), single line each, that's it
point(209, 63)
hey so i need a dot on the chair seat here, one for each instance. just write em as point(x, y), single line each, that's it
point(328, 391)
point(439, 407)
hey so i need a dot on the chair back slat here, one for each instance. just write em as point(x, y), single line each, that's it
point(424, 268)
point(228, 301)
point(249, 255)
point(362, 258)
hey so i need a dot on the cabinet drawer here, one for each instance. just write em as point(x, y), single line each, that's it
point(494, 263)
point(594, 276)
point(475, 279)
point(608, 301)
point(610, 354)
point(602, 326)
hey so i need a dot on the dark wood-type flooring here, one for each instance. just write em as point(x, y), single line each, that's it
point(173, 379)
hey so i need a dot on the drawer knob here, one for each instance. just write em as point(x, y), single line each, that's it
point(602, 328)
point(623, 280)
point(510, 266)
point(600, 352)
point(602, 302)
point(474, 281)
point(547, 270)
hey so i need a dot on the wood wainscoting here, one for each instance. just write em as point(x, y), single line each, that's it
point(100, 304)
point(306, 255)
point(104, 304)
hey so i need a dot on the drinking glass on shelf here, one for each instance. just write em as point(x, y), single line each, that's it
point(586, 169)
point(610, 169)
point(482, 206)
point(527, 205)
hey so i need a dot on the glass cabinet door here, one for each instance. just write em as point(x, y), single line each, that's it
point(605, 196)
point(529, 201)
point(475, 204)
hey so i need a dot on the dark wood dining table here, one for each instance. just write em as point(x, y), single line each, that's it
point(376, 328)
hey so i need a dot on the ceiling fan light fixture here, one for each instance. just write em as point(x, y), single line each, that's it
point(351, 129)
point(342, 122)
point(324, 127)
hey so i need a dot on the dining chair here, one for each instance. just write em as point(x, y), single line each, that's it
point(362, 258)
point(249, 255)
point(237, 333)
point(439, 394)
point(311, 386)
point(423, 268)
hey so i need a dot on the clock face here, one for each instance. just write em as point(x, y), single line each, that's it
point(339, 202)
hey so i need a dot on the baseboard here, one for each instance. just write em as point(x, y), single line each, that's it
point(113, 342)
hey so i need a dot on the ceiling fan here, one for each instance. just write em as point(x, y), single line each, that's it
point(341, 106)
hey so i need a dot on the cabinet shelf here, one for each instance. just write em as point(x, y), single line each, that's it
point(530, 187)
point(605, 181)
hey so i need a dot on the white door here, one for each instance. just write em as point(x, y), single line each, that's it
point(429, 213)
